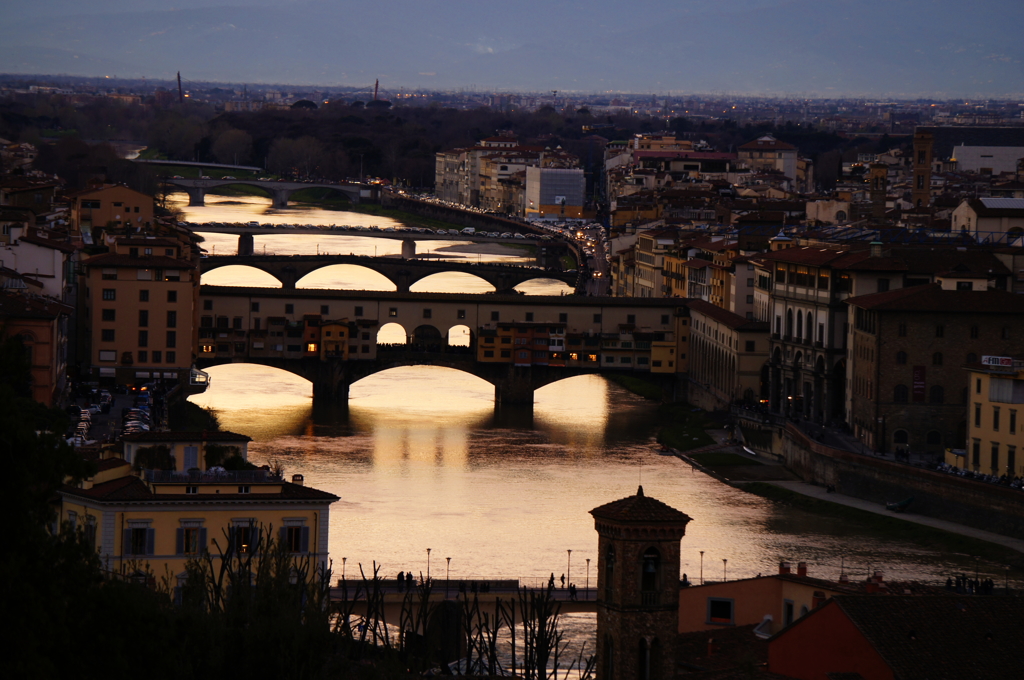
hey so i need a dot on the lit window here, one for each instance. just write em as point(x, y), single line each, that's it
point(311, 347)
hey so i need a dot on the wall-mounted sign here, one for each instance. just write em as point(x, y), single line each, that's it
point(997, 361)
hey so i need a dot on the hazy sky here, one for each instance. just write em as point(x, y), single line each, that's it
point(942, 48)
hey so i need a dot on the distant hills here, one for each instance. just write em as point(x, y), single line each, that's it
point(935, 48)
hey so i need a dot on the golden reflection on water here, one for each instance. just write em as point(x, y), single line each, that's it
point(422, 459)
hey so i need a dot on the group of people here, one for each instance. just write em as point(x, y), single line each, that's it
point(1005, 480)
point(971, 586)
point(572, 586)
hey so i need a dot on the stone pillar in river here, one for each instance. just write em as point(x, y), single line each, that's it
point(246, 244)
point(637, 587)
point(408, 248)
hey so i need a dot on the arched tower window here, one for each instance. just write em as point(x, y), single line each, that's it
point(650, 572)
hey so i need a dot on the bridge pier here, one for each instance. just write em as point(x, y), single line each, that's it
point(196, 196)
point(328, 390)
point(246, 244)
point(408, 248)
point(281, 197)
point(515, 387)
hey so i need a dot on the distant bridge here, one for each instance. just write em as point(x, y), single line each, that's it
point(194, 164)
point(288, 269)
point(279, 191)
point(404, 234)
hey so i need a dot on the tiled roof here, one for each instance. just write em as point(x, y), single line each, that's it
point(730, 319)
point(110, 463)
point(931, 298)
point(187, 436)
point(943, 637)
point(766, 142)
point(639, 508)
point(47, 243)
point(17, 306)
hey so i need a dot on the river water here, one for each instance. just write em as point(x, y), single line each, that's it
point(421, 459)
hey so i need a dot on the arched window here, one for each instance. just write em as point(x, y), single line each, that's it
point(799, 325)
point(809, 329)
point(936, 395)
point(789, 322)
point(899, 394)
point(934, 438)
point(649, 573)
point(937, 359)
point(900, 437)
point(901, 357)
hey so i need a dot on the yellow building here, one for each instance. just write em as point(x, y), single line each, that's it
point(164, 518)
point(727, 355)
point(110, 204)
point(994, 431)
point(334, 339)
point(139, 314)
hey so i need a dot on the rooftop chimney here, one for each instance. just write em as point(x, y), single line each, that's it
point(298, 480)
point(784, 568)
point(801, 569)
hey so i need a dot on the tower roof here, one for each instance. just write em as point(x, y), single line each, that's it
point(639, 509)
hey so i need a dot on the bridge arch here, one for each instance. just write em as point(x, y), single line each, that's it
point(460, 335)
point(464, 282)
point(239, 275)
point(392, 333)
point(346, 277)
point(427, 337)
point(543, 285)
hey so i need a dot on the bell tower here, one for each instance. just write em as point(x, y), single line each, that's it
point(637, 587)
point(921, 192)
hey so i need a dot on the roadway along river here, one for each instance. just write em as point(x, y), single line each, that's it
point(421, 461)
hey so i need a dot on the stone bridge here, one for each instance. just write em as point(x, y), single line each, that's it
point(288, 269)
point(332, 378)
point(279, 191)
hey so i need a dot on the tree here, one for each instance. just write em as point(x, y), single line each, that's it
point(233, 147)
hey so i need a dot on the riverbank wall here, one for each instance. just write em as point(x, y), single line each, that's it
point(936, 494)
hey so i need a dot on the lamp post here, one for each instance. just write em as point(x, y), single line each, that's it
point(725, 571)
point(588, 578)
point(702, 567)
point(568, 569)
point(447, 576)
point(428, 564)
point(343, 561)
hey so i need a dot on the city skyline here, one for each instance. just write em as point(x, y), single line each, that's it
point(757, 47)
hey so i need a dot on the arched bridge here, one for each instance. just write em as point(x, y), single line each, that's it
point(332, 380)
point(279, 191)
point(288, 269)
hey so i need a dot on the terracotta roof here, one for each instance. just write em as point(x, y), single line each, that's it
point(110, 464)
point(186, 436)
point(931, 298)
point(18, 306)
point(730, 319)
point(47, 243)
point(147, 261)
point(941, 637)
point(639, 508)
point(819, 257)
point(131, 489)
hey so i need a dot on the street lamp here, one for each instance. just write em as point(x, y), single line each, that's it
point(447, 575)
point(343, 561)
point(588, 578)
point(428, 564)
point(702, 567)
point(568, 569)
point(725, 572)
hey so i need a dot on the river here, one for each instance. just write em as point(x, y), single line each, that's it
point(421, 459)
